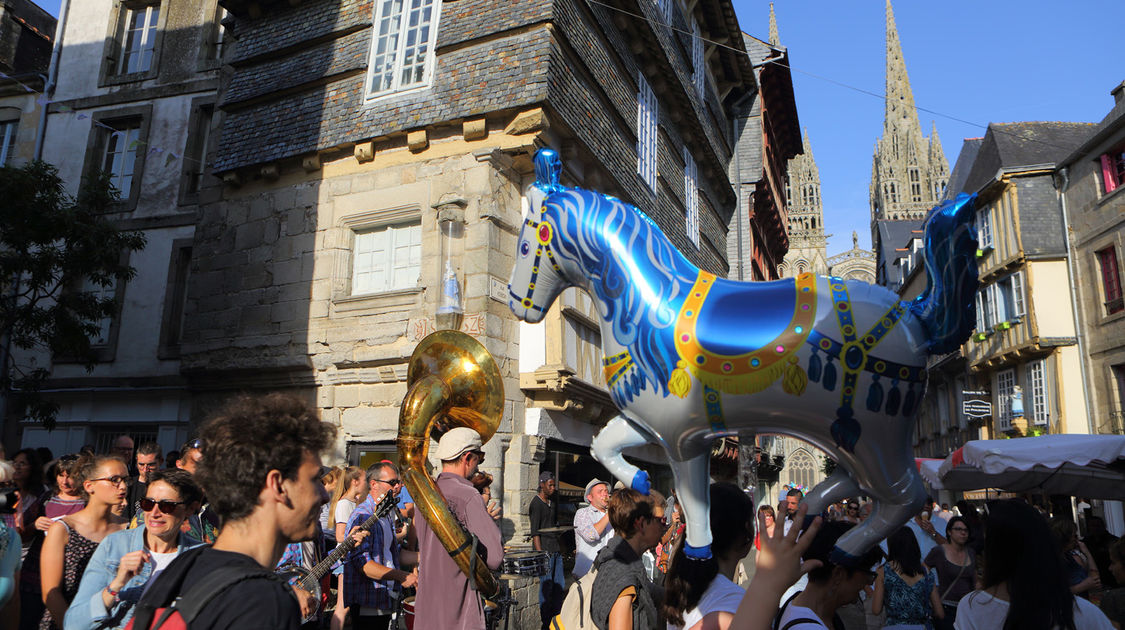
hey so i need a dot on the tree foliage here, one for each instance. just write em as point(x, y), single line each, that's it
point(51, 244)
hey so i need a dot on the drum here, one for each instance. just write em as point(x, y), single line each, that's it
point(529, 563)
point(408, 612)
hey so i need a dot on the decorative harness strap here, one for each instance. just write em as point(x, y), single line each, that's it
point(854, 357)
point(543, 232)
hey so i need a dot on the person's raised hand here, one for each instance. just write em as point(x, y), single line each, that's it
point(779, 560)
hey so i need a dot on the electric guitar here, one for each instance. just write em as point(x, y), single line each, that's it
point(309, 580)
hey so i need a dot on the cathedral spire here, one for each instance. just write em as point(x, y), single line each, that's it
point(935, 141)
point(900, 98)
point(775, 39)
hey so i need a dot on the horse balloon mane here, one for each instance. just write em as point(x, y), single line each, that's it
point(690, 357)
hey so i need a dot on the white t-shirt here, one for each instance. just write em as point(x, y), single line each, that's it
point(981, 610)
point(793, 612)
point(344, 509)
point(722, 595)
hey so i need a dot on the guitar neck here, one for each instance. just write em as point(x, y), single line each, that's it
point(324, 566)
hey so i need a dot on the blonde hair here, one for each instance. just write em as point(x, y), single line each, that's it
point(332, 476)
point(347, 477)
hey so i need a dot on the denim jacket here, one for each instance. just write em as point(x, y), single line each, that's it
point(88, 611)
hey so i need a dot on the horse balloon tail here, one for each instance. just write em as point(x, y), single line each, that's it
point(947, 308)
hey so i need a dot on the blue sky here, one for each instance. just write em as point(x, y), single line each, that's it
point(979, 61)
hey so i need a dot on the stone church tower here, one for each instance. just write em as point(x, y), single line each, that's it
point(908, 171)
point(807, 241)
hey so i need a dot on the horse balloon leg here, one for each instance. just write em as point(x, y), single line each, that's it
point(839, 485)
point(618, 435)
point(892, 509)
point(693, 492)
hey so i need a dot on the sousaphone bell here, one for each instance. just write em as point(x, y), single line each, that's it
point(453, 382)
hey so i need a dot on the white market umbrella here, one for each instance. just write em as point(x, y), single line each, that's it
point(1079, 465)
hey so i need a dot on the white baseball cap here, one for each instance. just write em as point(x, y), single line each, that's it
point(457, 442)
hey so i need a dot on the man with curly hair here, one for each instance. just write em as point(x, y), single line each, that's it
point(260, 468)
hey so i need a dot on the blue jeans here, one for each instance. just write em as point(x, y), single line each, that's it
point(552, 589)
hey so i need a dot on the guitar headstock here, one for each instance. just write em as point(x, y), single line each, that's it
point(385, 504)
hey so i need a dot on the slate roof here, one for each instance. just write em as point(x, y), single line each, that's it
point(892, 235)
point(969, 149)
point(1012, 145)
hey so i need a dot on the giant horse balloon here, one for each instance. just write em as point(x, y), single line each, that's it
point(690, 357)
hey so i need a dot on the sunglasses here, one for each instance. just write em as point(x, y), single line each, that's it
point(390, 482)
point(116, 480)
point(166, 506)
point(196, 445)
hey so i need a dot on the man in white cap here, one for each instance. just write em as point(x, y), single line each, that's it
point(446, 599)
point(591, 526)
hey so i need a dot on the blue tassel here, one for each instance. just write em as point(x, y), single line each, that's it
point(845, 430)
point(894, 398)
point(814, 366)
point(875, 395)
point(830, 375)
point(909, 401)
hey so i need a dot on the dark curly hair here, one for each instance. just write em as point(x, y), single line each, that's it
point(181, 481)
point(248, 438)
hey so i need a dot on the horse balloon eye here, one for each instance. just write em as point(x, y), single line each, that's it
point(525, 248)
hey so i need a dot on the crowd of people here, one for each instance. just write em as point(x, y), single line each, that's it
point(239, 530)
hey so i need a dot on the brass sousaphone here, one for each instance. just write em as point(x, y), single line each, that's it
point(453, 382)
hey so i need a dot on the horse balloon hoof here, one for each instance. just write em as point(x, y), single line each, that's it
point(697, 553)
point(641, 482)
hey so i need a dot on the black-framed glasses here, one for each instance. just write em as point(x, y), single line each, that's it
point(959, 529)
point(116, 480)
point(390, 482)
point(166, 506)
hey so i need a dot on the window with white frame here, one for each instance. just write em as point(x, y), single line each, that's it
point(119, 148)
point(989, 300)
point(387, 258)
point(646, 131)
point(1037, 406)
point(136, 36)
point(8, 129)
point(691, 197)
point(105, 324)
point(1005, 387)
point(402, 46)
point(698, 63)
point(984, 228)
point(1009, 298)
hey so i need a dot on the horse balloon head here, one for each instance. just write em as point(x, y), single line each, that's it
point(537, 276)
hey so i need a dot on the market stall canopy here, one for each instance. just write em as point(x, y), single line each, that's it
point(1080, 465)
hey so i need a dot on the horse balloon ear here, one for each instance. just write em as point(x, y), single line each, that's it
point(548, 168)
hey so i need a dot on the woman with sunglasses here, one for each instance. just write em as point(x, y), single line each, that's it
point(72, 540)
point(125, 561)
point(624, 598)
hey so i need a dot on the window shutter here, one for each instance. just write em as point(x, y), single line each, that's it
point(1109, 173)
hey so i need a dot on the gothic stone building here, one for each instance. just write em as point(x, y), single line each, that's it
point(909, 172)
point(349, 130)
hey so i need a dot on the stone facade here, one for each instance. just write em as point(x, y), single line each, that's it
point(149, 107)
point(1093, 195)
point(26, 35)
point(909, 172)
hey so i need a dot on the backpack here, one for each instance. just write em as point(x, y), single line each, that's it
point(575, 613)
point(183, 609)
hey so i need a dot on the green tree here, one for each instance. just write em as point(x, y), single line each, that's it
point(828, 466)
point(50, 244)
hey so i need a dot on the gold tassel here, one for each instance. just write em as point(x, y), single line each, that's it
point(795, 379)
point(679, 383)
